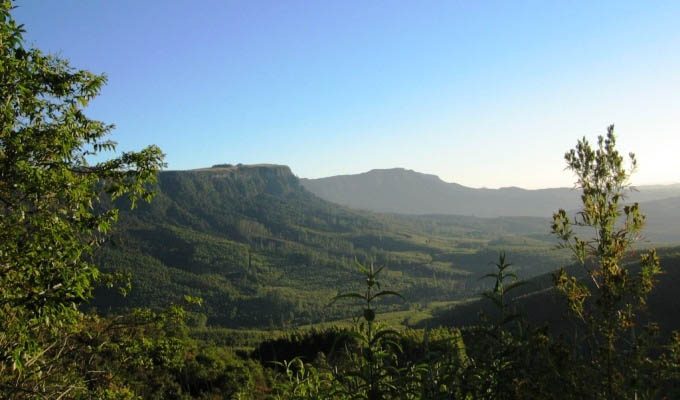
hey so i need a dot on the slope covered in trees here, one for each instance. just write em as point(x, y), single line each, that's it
point(262, 251)
point(542, 305)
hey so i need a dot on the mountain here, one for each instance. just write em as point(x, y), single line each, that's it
point(261, 250)
point(405, 191)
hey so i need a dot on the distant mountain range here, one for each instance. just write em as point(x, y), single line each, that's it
point(404, 191)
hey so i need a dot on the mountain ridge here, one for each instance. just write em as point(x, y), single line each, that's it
point(400, 190)
point(663, 186)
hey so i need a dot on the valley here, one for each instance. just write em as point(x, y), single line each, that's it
point(263, 252)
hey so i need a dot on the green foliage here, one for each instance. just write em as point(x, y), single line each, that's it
point(508, 358)
point(304, 381)
point(50, 198)
point(146, 355)
point(618, 352)
point(305, 345)
point(262, 252)
point(372, 372)
point(498, 295)
point(377, 362)
point(436, 360)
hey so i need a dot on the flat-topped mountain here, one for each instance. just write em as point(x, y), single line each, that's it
point(405, 191)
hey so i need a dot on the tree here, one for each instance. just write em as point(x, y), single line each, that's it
point(618, 366)
point(504, 345)
point(53, 202)
point(373, 374)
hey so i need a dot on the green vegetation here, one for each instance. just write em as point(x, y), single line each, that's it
point(248, 247)
point(610, 354)
point(618, 362)
point(263, 252)
point(49, 216)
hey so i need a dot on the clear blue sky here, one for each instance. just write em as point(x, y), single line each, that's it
point(481, 93)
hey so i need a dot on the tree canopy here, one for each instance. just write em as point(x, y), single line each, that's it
point(53, 196)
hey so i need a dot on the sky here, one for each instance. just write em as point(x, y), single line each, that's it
point(481, 93)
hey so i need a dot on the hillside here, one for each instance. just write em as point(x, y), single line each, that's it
point(663, 220)
point(404, 191)
point(541, 305)
point(262, 251)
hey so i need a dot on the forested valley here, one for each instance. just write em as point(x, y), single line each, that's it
point(122, 280)
point(262, 252)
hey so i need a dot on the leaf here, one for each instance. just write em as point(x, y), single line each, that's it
point(494, 299)
point(489, 275)
point(386, 293)
point(348, 295)
point(514, 285)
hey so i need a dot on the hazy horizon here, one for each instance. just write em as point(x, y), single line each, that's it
point(206, 168)
point(484, 187)
point(480, 94)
